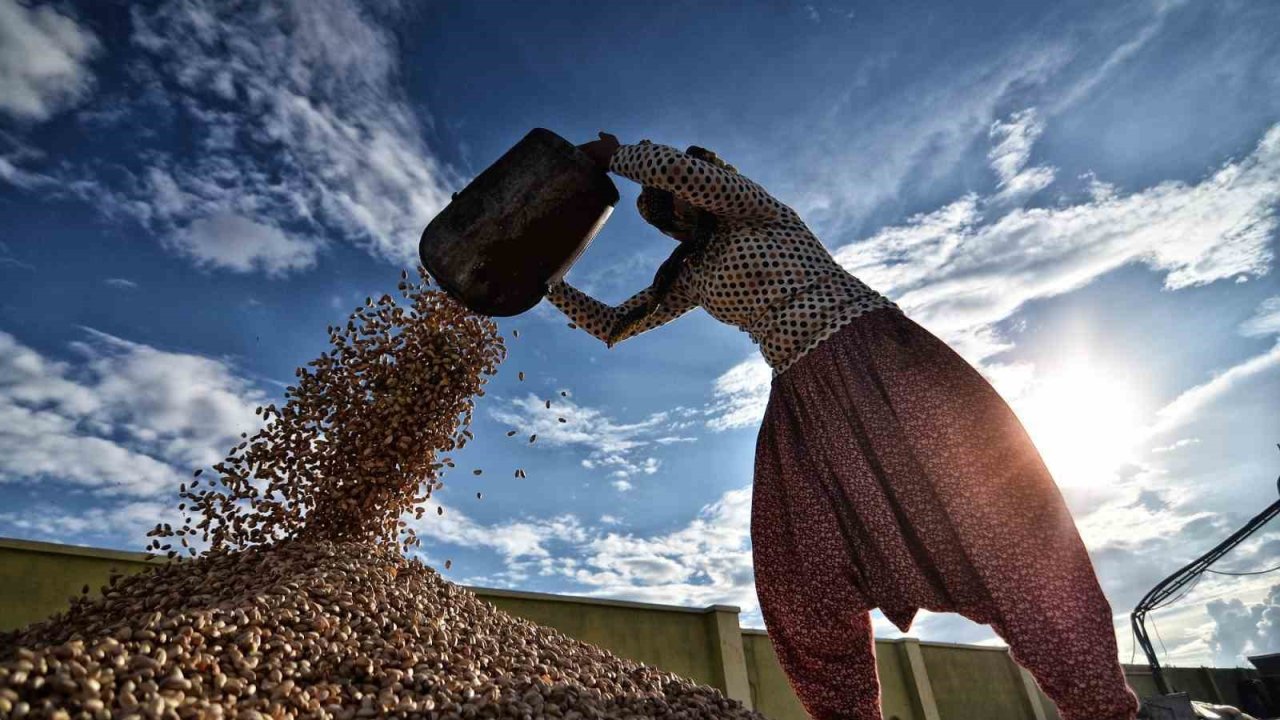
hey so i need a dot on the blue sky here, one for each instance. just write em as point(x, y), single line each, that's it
point(1081, 199)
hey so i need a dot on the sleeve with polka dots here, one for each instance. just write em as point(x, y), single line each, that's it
point(700, 183)
point(598, 318)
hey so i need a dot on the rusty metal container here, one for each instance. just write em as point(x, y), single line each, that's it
point(518, 226)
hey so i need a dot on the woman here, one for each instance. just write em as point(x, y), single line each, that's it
point(888, 472)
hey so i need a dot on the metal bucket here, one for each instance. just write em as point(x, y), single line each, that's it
point(518, 226)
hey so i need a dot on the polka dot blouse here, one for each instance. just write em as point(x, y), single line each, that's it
point(763, 270)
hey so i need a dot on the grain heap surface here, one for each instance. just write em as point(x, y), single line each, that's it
point(297, 600)
point(320, 629)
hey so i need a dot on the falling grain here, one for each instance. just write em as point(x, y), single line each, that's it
point(302, 602)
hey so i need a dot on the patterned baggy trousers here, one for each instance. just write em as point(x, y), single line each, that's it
point(890, 474)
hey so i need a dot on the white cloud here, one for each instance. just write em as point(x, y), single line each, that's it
point(124, 522)
point(515, 540)
point(622, 485)
point(236, 243)
point(16, 154)
point(1011, 148)
point(1240, 630)
point(741, 395)
point(959, 276)
point(851, 162)
point(303, 133)
point(1011, 142)
point(43, 62)
point(121, 283)
point(706, 562)
point(1176, 445)
point(1139, 515)
point(620, 448)
point(126, 418)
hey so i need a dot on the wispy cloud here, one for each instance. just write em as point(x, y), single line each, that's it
point(44, 56)
point(853, 162)
point(8, 260)
point(1011, 141)
point(623, 450)
point(14, 156)
point(707, 561)
point(120, 283)
point(1123, 53)
point(1265, 321)
point(1193, 400)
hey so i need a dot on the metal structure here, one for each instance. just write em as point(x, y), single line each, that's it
point(1193, 570)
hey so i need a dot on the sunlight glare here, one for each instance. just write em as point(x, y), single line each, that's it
point(1083, 420)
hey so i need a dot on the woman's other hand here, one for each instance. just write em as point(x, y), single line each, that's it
point(602, 150)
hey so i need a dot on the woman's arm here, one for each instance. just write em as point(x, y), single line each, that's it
point(598, 318)
point(700, 183)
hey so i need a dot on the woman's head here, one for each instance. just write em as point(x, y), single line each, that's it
point(671, 215)
point(677, 219)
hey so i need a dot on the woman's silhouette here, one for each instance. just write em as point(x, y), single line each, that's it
point(888, 473)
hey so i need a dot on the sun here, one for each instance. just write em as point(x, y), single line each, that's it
point(1084, 419)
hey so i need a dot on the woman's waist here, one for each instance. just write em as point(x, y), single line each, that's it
point(794, 335)
point(806, 306)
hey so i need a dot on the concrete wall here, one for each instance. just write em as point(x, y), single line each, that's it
point(696, 643)
point(38, 579)
point(918, 680)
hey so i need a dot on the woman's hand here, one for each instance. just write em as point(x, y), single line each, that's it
point(602, 150)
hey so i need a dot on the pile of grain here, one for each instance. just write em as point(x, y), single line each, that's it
point(320, 629)
point(299, 602)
